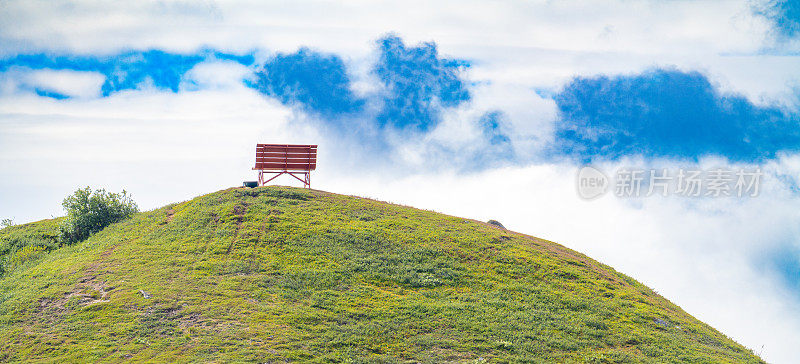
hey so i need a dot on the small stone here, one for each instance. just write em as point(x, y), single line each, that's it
point(496, 223)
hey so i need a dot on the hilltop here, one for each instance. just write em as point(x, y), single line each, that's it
point(276, 274)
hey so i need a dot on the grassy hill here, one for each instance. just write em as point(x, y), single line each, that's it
point(277, 274)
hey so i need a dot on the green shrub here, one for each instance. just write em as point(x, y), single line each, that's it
point(4, 223)
point(89, 212)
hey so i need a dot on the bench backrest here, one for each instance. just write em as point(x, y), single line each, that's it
point(286, 157)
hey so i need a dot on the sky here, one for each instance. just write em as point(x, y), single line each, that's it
point(486, 110)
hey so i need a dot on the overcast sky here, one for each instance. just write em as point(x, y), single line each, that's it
point(485, 110)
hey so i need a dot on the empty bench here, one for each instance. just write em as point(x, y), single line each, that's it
point(273, 160)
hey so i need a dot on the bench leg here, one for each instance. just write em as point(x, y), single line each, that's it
point(262, 181)
point(306, 178)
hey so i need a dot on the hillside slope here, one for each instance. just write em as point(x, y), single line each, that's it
point(278, 274)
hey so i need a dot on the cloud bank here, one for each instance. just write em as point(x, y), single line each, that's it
point(667, 113)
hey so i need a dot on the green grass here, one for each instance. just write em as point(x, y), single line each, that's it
point(279, 274)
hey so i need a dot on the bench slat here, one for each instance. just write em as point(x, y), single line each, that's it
point(286, 160)
point(286, 149)
point(287, 166)
point(287, 145)
point(288, 155)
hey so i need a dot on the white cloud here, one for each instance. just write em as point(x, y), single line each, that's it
point(530, 115)
point(215, 75)
point(65, 82)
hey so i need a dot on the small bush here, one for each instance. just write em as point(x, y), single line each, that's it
point(6, 223)
point(89, 212)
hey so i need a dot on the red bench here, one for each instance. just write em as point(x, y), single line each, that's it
point(279, 159)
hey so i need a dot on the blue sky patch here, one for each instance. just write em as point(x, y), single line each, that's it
point(50, 94)
point(494, 128)
point(785, 262)
point(314, 81)
point(491, 128)
point(784, 15)
point(667, 113)
point(125, 71)
point(418, 84)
